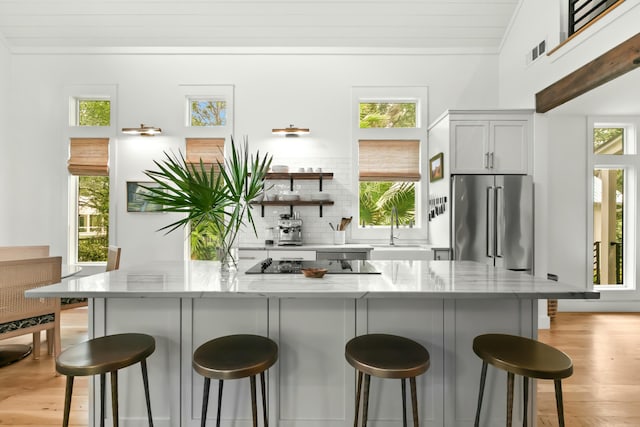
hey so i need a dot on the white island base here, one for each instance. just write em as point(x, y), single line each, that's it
point(312, 385)
point(441, 304)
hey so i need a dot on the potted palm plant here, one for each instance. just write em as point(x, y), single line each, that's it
point(216, 200)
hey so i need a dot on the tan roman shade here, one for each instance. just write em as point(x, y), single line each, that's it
point(89, 156)
point(210, 150)
point(389, 160)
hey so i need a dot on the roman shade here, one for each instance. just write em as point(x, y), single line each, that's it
point(88, 157)
point(209, 150)
point(389, 160)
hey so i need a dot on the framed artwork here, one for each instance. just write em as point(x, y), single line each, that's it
point(436, 167)
point(136, 200)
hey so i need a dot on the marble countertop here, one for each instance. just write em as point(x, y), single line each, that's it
point(410, 279)
point(347, 247)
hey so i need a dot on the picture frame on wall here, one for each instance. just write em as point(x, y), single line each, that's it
point(136, 200)
point(436, 167)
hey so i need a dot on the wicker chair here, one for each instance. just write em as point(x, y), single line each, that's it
point(113, 263)
point(20, 315)
point(23, 252)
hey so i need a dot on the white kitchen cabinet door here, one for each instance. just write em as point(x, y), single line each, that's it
point(469, 146)
point(255, 254)
point(510, 143)
point(489, 147)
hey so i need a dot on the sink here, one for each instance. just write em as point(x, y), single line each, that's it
point(399, 251)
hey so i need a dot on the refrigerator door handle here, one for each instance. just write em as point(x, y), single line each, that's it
point(499, 221)
point(489, 229)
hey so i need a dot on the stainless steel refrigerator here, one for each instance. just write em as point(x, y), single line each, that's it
point(492, 220)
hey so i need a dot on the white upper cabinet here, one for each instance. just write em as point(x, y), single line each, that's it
point(493, 145)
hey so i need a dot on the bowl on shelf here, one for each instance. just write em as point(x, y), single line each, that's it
point(319, 196)
point(288, 197)
point(280, 168)
point(314, 273)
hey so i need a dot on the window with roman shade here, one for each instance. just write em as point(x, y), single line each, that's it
point(389, 160)
point(209, 150)
point(88, 157)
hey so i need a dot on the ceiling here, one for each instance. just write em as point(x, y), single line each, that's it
point(447, 25)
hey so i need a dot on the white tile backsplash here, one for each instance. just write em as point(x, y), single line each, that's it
point(315, 229)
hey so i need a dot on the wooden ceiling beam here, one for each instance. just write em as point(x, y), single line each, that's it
point(613, 63)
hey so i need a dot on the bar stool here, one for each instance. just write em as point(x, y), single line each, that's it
point(101, 355)
point(232, 357)
point(521, 356)
point(386, 356)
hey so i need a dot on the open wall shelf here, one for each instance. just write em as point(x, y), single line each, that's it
point(291, 177)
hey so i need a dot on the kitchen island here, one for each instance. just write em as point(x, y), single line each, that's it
point(441, 304)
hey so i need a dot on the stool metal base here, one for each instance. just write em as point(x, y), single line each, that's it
point(234, 357)
point(11, 353)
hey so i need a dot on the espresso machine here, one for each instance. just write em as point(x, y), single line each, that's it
point(290, 230)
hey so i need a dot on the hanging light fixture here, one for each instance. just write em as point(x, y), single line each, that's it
point(143, 130)
point(291, 131)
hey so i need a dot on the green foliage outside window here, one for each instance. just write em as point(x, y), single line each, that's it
point(378, 198)
point(387, 115)
point(93, 200)
point(93, 112)
point(208, 113)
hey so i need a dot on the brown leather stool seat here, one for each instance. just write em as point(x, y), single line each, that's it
point(103, 355)
point(521, 356)
point(232, 357)
point(387, 356)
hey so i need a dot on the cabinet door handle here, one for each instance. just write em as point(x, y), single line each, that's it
point(486, 160)
point(492, 159)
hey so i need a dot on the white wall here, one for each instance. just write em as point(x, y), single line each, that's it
point(270, 91)
point(561, 139)
point(5, 163)
point(538, 20)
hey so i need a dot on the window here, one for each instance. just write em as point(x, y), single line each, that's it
point(93, 112)
point(388, 170)
point(88, 166)
point(208, 123)
point(207, 112)
point(613, 198)
point(390, 139)
point(388, 115)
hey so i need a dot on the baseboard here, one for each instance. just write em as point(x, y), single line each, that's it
point(598, 306)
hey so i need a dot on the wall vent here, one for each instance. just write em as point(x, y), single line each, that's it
point(536, 52)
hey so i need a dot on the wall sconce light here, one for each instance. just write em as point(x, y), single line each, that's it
point(291, 131)
point(143, 130)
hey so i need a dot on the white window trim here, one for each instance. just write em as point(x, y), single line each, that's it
point(71, 94)
point(630, 162)
point(417, 94)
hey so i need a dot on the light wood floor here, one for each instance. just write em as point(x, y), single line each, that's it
point(30, 392)
point(604, 390)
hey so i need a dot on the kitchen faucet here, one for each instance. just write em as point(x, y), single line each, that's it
point(394, 213)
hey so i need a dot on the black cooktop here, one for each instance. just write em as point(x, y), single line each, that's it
point(269, 266)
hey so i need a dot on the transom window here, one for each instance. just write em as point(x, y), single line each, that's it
point(388, 115)
point(207, 112)
point(92, 112)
